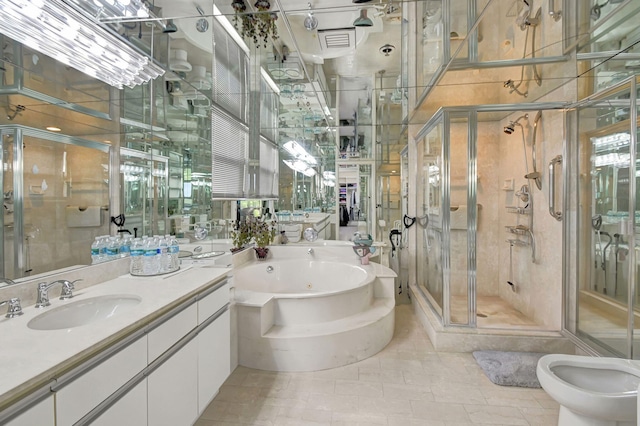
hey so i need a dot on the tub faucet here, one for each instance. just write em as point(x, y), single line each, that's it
point(13, 307)
point(43, 292)
point(310, 251)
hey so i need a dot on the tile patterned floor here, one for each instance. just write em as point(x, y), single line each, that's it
point(407, 383)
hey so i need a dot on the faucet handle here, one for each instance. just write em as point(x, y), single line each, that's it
point(67, 289)
point(43, 295)
point(14, 308)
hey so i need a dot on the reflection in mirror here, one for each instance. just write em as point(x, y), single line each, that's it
point(56, 196)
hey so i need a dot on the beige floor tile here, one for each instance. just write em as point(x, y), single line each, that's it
point(492, 415)
point(251, 413)
point(233, 394)
point(357, 419)
point(406, 384)
point(384, 406)
point(540, 416)
point(381, 376)
point(407, 392)
point(352, 387)
point(306, 414)
point(214, 410)
point(342, 403)
point(409, 421)
point(267, 380)
point(442, 411)
point(348, 372)
point(312, 385)
point(454, 392)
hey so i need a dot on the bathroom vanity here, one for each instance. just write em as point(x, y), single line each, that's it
point(159, 359)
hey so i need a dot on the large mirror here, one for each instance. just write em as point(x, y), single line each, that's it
point(333, 96)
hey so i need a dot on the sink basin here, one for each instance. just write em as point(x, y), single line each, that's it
point(83, 312)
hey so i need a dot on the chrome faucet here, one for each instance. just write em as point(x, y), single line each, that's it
point(310, 251)
point(43, 292)
point(13, 307)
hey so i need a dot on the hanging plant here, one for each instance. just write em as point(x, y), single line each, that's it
point(258, 26)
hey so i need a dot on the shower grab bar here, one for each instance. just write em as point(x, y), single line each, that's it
point(552, 188)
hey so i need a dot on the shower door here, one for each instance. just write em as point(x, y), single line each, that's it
point(603, 296)
point(429, 231)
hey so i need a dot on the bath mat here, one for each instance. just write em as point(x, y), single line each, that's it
point(510, 368)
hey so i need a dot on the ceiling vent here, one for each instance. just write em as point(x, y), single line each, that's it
point(337, 38)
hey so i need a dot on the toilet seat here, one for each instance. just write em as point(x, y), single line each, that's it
point(594, 388)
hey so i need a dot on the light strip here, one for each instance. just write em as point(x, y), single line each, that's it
point(64, 34)
point(301, 167)
point(298, 152)
point(109, 9)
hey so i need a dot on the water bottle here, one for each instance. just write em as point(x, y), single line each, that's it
point(150, 264)
point(137, 255)
point(165, 257)
point(95, 251)
point(125, 246)
point(102, 248)
point(112, 248)
point(174, 249)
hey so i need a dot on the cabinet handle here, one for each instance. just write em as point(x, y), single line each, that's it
point(552, 187)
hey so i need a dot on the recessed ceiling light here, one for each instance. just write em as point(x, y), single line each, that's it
point(54, 129)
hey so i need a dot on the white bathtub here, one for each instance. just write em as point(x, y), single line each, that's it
point(295, 277)
point(302, 312)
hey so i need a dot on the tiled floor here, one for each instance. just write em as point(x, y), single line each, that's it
point(407, 383)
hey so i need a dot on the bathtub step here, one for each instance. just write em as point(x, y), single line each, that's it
point(380, 308)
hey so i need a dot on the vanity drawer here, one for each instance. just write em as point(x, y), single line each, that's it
point(84, 393)
point(213, 302)
point(169, 332)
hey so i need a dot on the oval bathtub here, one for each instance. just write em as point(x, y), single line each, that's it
point(311, 310)
point(292, 278)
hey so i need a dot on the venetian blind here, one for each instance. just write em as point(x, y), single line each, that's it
point(268, 169)
point(228, 155)
point(229, 132)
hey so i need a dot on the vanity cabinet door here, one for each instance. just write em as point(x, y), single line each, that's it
point(41, 414)
point(84, 393)
point(214, 353)
point(130, 410)
point(173, 389)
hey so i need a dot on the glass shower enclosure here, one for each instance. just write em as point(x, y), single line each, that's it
point(601, 298)
point(485, 241)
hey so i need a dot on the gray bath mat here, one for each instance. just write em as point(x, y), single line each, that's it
point(510, 368)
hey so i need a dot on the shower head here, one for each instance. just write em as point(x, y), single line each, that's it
point(512, 125)
point(12, 113)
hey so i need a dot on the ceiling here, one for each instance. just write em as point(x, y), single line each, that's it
point(362, 60)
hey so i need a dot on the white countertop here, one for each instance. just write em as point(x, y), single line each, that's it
point(30, 358)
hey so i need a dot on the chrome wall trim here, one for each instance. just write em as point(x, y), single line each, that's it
point(633, 166)
point(509, 63)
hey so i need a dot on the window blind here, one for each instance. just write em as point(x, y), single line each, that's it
point(228, 155)
point(230, 79)
point(269, 172)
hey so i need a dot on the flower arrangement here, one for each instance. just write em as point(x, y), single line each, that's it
point(263, 232)
point(258, 26)
point(240, 235)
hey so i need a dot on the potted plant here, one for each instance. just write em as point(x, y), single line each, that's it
point(240, 235)
point(258, 26)
point(263, 234)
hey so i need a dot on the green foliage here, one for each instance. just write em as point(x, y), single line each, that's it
point(240, 234)
point(263, 232)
